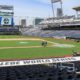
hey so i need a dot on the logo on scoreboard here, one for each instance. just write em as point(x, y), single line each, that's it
point(6, 21)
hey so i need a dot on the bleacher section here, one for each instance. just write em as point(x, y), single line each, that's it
point(9, 30)
point(37, 72)
point(67, 26)
point(52, 33)
point(65, 23)
point(69, 20)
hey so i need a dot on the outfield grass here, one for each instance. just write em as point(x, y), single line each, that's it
point(19, 43)
point(33, 53)
point(15, 36)
point(38, 52)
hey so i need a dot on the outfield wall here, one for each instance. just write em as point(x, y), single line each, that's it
point(38, 61)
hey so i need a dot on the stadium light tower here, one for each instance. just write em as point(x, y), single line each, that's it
point(52, 8)
point(53, 2)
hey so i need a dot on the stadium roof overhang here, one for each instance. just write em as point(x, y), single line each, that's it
point(77, 8)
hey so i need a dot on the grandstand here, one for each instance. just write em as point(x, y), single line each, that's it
point(67, 22)
point(52, 33)
point(68, 26)
point(59, 71)
point(37, 72)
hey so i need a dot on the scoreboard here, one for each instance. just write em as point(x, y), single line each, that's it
point(6, 20)
point(6, 15)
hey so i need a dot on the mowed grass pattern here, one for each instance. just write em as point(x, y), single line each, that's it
point(31, 53)
point(38, 52)
point(19, 43)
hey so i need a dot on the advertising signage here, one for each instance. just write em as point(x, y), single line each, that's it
point(6, 13)
point(6, 7)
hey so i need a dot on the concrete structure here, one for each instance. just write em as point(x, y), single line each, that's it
point(23, 23)
point(59, 12)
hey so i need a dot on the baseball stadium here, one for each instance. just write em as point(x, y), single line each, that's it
point(50, 50)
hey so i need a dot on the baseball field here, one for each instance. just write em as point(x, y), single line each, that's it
point(23, 47)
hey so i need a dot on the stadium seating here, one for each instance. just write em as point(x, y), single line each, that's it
point(52, 33)
point(9, 30)
point(36, 72)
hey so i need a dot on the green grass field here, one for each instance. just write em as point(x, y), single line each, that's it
point(30, 49)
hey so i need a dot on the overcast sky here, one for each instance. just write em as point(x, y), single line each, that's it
point(40, 8)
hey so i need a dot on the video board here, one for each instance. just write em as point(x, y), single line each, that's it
point(6, 20)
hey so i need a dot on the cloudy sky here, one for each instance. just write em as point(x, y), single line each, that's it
point(40, 8)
